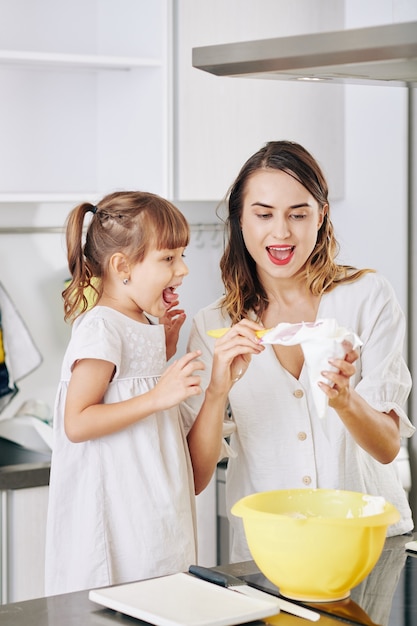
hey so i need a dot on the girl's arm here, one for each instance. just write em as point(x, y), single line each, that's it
point(87, 417)
point(231, 358)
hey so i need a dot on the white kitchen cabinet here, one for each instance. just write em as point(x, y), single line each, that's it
point(23, 526)
point(221, 121)
point(88, 104)
point(84, 105)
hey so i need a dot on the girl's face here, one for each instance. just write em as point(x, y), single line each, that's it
point(280, 220)
point(153, 281)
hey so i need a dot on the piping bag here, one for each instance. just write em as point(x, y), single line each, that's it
point(320, 341)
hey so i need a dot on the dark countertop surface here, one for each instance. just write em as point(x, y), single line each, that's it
point(387, 597)
point(24, 475)
point(21, 468)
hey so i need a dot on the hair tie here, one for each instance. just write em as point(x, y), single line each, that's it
point(93, 209)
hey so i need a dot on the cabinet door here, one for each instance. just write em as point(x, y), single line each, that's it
point(221, 121)
point(26, 532)
point(84, 98)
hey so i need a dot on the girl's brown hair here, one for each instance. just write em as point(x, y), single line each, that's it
point(127, 221)
point(243, 289)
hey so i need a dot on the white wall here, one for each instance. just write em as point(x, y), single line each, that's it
point(371, 219)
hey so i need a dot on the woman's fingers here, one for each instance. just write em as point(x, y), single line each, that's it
point(338, 387)
point(244, 328)
point(351, 354)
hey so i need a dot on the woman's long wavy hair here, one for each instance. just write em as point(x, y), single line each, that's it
point(131, 222)
point(244, 291)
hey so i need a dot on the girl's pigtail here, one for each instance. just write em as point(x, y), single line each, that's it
point(75, 301)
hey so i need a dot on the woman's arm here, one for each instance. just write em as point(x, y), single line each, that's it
point(372, 408)
point(231, 358)
point(376, 432)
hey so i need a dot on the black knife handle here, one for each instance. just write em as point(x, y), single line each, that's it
point(205, 573)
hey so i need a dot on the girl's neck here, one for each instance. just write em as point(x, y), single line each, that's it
point(136, 314)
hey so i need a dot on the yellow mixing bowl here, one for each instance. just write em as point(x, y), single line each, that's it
point(315, 544)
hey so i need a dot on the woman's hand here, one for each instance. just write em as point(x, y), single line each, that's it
point(339, 392)
point(233, 352)
point(173, 321)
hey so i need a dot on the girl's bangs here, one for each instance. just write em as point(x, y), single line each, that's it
point(173, 231)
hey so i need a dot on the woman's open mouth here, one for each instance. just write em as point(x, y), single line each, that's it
point(280, 255)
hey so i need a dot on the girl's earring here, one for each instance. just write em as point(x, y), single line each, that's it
point(125, 281)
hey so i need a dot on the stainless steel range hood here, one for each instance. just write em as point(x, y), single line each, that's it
point(380, 54)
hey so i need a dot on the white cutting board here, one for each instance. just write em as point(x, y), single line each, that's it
point(183, 600)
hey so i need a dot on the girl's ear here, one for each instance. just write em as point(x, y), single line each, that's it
point(119, 265)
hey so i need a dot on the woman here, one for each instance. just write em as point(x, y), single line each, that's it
point(279, 266)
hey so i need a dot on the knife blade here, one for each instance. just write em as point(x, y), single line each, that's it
point(240, 586)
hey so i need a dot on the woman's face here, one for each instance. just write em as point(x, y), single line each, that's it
point(280, 220)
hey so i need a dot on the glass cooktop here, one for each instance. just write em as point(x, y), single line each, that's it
point(387, 597)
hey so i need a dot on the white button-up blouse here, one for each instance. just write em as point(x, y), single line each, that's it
point(279, 441)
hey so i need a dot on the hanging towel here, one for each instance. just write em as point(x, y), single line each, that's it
point(7, 389)
point(18, 354)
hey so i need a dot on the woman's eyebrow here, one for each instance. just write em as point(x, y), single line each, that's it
point(262, 204)
point(293, 206)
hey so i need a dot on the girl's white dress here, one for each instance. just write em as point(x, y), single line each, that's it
point(121, 507)
point(280, 442)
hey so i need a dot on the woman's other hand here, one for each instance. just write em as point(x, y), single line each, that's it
point(338, 393)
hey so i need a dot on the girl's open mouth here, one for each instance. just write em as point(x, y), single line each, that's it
point(169, 295)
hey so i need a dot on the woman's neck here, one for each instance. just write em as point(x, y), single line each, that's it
point(292, 302)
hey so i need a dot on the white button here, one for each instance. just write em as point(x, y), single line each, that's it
point(298, 393)
point(306, 480)
point(302, 436)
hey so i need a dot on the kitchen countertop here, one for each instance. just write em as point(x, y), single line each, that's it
point(24, 475)
point(386, 598)
point(21, 468)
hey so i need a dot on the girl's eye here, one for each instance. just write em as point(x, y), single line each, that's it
point(169, 258)
point(298, 216)
point(264, 216)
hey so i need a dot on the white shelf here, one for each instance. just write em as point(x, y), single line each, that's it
point(40, 198)
point(77, 61)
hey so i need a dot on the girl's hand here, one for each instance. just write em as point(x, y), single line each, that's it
point(233, 352)
point(179, 381)
point(339, 393)
point(173, 321)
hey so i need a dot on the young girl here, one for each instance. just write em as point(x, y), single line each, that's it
point(124, 472)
